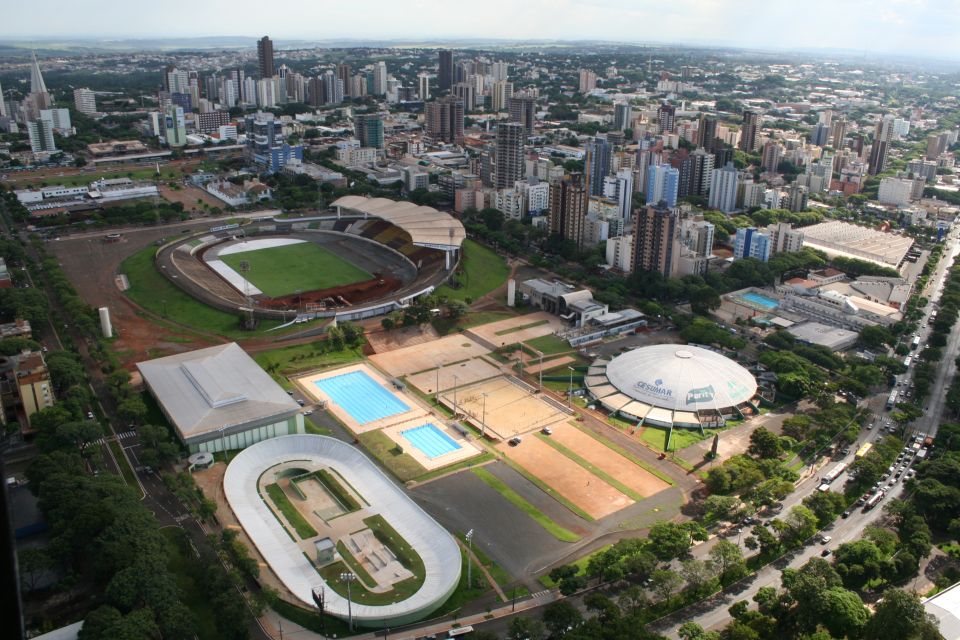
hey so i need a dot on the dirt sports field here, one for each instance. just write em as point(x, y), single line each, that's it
point(566, 477)
point(188, 196)
point(421, 357)
point(519, 329)
point(608, 460)
point(466, 372)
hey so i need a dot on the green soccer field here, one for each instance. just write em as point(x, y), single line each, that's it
point(282, 271)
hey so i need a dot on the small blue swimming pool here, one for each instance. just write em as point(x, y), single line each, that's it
point(760, 300)
point(430, 440)
point(361, 396)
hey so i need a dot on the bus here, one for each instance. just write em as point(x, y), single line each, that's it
point(459, 631)
point(834, 473)
point(908, 361)
point(864, 450)
point(892, 400)
point(915, 343)
point(873, 501)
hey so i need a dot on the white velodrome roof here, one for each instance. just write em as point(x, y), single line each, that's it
point(437, 548)
point(426, 225)
point(945, 607)
point(681, 378)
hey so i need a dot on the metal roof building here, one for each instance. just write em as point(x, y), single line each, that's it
point(672, 385)
point(427, 226)
point(435, 546)
point(945, 607)
point(219, 398)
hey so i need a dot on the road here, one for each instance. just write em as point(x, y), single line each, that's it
point(712, 613)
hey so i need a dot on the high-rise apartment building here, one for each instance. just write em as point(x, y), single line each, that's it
point(707, 132)
point(749, 130)
point(265, 57)
point(345, 75)
point(655, 246)
point(522, 109)
point(368, 129)
point(499, 95)
point(588, 81)
point(598, 157)
point(882, 136)
point(622, 116)
point(509, 148)
point(380, 78)
point(174, 126)
point(84, 101)
point(266, 146)
point(443, 120)
point(702, 172)
point(667, 118)
point(423, 87)
point(663, 182)
point(751, 243)
point(838, 130)
point(445, 72)
point(770, 159)
point(568, 208)
point(41, 136)
point(723, 188)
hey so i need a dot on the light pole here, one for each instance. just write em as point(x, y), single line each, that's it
point(455, 378)
point(541, 371)
point(469, 538)
point(483, 421)
point(437, 398)
point(349, 577)
point(570, 388)
point(223, 443)
point(319, 598)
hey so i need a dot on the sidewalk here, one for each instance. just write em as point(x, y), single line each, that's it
point(272, 622)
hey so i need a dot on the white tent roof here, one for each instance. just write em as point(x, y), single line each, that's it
point(437, 548)
point(426, 225)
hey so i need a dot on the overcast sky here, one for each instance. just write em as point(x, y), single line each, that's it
point(918, 27)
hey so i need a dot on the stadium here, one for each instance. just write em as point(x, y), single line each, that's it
point(670, 385)
point(317, 508)
point(367, 257)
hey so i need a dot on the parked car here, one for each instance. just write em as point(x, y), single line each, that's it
point(515, 441)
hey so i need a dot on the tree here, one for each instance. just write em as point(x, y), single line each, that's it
point(693, 631)
point(842, 612)
point(728, 559)
point(33, 564)
point(720, 507)
point(875, 337)
point(132, 410)
point(801, 523)
point(762, 539)
point(560, 617)
point(669, 540)
point(764, 444)
point(698, 574)
point(900, 616)
point(664, 583)
point(826, 505)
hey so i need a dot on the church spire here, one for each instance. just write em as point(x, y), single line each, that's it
point(36, 78)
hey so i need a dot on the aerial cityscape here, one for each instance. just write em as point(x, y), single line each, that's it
point(553, 325)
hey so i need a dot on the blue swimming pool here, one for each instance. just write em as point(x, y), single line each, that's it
point(760, 300)
point(430, 440)
point(361, 396)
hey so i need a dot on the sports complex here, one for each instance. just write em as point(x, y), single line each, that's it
point(316, 508)
point(671, 385)
point(367, 257)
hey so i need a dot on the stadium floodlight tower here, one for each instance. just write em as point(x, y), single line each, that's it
point(349, 577)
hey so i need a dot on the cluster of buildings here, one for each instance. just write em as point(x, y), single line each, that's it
point(57, 199)
point(25, 385)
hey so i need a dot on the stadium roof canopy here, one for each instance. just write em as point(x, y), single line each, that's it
point(213, 389)
point(436, 547)
point(427, 226)
point(945, 607)
point(670, 384)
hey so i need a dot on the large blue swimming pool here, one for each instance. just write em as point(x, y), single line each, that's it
point(360, 396)
point(760, 300)
point(430, 440)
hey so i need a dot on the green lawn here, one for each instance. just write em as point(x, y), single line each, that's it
point(530, 325)
point(580, 564)
point(334, 488)
point(302, 357)
point(189, 578)
point(153, 292)
point(554, 529)
point(167, 173)
point(549, 344)
point(391, 456)
point(483, 271)
point(290, 512)
point(657, 438)
point(281, 271)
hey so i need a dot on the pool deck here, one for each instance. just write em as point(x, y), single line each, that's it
point(467, 449)
point(415, 416)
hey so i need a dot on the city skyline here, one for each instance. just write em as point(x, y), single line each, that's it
point(903, 27)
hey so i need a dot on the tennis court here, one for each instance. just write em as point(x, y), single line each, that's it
point(502, 407)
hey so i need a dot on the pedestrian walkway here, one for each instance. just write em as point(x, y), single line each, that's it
point(119, 436)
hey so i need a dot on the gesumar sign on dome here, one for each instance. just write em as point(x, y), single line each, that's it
point(655, 388)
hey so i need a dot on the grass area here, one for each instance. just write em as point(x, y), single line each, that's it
point(189, 578)
point(482, 271)
point(600, 473)
point(310, 619)
point(464, 593)
point(476, 461)
point(553, 493)
point(334, 488)
point(280, 500)
point(499, 574)
point(153, 292)
point(613, 446)
point(620, 423)
point(401, 549)
point(302, 357)
point(362, 574)
point(580, 564)
point(446, 326)
point(166, 173)
point(530, 325)
point(124, 465)
point(656, 437)
point(554, 529)
point(311, 427)
point(282, 271)
point(391, 456)
point(549, 344)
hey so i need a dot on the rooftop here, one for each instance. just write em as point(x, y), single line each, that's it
point(426, 225)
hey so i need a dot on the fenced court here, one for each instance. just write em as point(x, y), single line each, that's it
point(422, 357)
point(607, 460)
point(519, 329)
point(503, 406)
point(573, 482)
point(458, 373)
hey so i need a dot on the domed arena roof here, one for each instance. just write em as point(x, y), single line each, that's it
point(681, 378)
